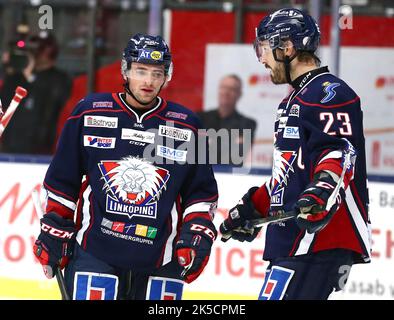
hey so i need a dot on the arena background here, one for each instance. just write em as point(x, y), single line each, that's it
point(209, 39)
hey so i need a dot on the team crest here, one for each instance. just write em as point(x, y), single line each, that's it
point(328, 88)
point(133, 186)
point(282, 167)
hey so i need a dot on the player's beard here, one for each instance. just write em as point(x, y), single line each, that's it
point(278, 73)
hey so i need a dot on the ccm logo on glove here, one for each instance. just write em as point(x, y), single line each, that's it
point(201, 228)
point(56, 232)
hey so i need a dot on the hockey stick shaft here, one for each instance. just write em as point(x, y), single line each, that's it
point(256, 223)
point(20, 93)
point(291, 214)
point(58, 273)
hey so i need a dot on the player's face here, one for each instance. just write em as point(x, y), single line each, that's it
point(145, 81)
point(266, 57)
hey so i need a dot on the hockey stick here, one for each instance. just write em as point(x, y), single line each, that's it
point(1, 111)
point(256, 223)
point(186, 269)
point(58, 272)
point(20, 93)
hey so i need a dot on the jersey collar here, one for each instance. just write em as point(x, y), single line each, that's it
point(303, 79)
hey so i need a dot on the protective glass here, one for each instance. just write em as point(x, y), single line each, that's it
point(140, 73)
point(261, 48)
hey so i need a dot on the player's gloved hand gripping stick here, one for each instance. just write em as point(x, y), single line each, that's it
point(57, 271)
point(330, 205)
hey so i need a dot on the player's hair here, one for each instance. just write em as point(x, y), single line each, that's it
point(307, 56)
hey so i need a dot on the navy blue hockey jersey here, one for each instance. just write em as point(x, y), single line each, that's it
point(310, 128)
point(130, 178)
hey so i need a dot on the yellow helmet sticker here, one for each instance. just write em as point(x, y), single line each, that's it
point(155, 55)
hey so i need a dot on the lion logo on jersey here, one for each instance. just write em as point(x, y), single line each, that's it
point(133, 186)
point(282, 167)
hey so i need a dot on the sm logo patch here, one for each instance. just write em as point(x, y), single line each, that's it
point(160, 288)
point(95, 286)
point(291, 133)
point(276, 282)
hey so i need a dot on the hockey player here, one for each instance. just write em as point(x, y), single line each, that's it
point(318, 125)
point(128, 223)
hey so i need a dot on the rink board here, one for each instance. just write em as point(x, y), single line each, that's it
point(235, 270)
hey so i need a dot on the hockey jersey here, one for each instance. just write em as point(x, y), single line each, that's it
point(129, 179)
point(312, 127)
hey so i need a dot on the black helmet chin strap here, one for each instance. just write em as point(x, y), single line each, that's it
point(287, 67)
point(286, 61)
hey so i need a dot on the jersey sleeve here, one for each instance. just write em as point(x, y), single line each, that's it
point(199, 191)
point(261, 199)
point(331, 130)
point(64, 175)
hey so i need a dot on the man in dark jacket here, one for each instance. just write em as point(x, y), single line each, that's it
point(33, 127)
point(233, 143)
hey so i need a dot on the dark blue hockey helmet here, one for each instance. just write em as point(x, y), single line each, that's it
point(147, 49)
point(289, 24)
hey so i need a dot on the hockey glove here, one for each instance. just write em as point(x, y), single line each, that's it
point(194, 247)
point(235, 226)
point(55, 243)
point(315, 209)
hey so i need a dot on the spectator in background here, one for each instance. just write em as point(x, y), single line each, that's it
point(227, 117)
point(31, 64)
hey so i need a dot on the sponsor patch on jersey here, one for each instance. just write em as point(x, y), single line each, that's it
point(138, 125)
point(160, 288)
point(276, 283)
point(175, 133)
point(129, 231)
point(282, 168)
point(328, 88)
point(95, 286)
point(171, 154)
point(282, 122)
point(294, 110)
point(103, 104)
point(291, 133)
point(176, 115)
point(99, 142)
point(100, 122)
point(138, 135)
point(130, 228)
point(133, 186)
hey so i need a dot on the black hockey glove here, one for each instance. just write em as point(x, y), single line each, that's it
point(55, 243)
point(235, 224)
point(315, 209)
point(194, 246)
